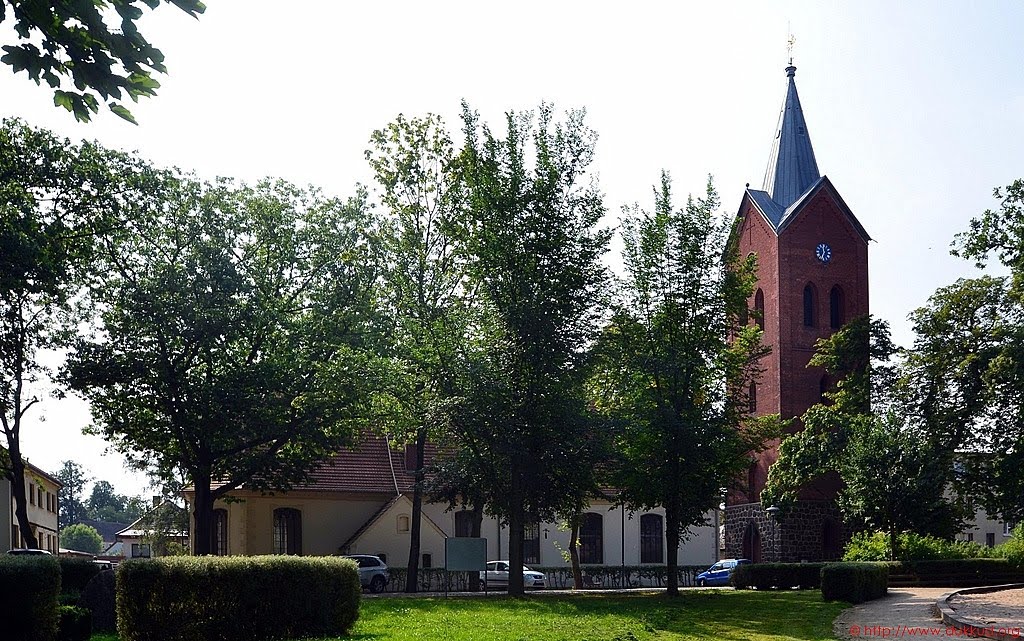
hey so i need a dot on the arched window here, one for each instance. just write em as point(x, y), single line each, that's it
point(810, 306)
point(220, 532)
point(752, 398)
point(752, 482)
point(830, 539)
point(592, 538)
point(752, 542)
point(287, 531)
point(836, 303)
point(463, 523)
point(759, 308)
point(651, 530)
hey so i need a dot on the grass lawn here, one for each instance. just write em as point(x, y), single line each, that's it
point(741, 616)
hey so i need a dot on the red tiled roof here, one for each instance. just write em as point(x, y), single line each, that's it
point(366, 467)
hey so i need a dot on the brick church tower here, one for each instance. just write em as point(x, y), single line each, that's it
point(812, 277)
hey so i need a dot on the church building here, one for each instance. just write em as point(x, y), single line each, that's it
point(812, 256)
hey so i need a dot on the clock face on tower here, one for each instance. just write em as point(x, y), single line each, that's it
point(823, 252)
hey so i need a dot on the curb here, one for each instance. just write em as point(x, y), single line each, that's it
point(949, 616)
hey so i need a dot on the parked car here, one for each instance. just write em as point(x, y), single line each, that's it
point(28, 552)
point(373, 573)
point(496, 575)
point(719, 573)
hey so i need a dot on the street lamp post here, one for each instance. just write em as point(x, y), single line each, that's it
point(773, 514)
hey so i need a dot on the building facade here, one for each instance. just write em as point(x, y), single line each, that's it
point(41, 492)
point(812, 255)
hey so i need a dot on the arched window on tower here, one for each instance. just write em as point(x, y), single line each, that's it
point(759, 308)
point(810, 306)
point(836, 303)
point(752, 398)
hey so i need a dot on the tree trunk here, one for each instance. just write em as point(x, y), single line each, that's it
point(20, 494)
point(475, 532)
point(202, 516)
point(894, 542)
point(413, 571)
point(574, 552)
point(672, 541)
point(516, 519)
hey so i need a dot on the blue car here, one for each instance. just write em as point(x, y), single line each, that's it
point(719, 573)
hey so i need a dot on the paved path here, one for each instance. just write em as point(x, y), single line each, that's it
point(903, 613)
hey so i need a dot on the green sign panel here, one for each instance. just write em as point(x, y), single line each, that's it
point(463, 554)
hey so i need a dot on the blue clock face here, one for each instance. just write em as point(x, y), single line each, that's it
point(823, 252)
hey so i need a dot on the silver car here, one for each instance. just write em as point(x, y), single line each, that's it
point(373, 573)
point(497, 576)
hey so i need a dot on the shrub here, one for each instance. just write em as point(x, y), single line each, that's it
point(81, 537)
point(29, 587)
point(74, 623)
point(777, 576)
point(1013, 550)
point(854, 582)
point(75, 573)
point(236, 598)
point(99, 596)
point(874, 546)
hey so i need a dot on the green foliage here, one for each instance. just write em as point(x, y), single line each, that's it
point(672, 371)
point(875, 546)
point(1013, 550)
point(233, 336)
point(73, 478)
point(522, 428)
point(236, 598)
point(56, 198)
point(74, 623)
point(854, 582)
point(958, 572)
point(104, 504)
point(99, 596)
point(777, 576)
point(72, 49)
point(84, 538)
point(29, 587)
point(75, 572)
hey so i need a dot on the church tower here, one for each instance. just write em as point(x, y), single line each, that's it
point(812, 256)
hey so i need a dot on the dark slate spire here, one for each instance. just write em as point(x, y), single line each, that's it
point(791, 167)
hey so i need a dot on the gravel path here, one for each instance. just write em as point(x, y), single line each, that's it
point(903, 612)
point(991, 609)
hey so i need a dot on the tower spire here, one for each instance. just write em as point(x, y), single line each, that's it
point(791, 166)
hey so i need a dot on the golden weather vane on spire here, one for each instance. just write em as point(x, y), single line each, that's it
point(789, 46)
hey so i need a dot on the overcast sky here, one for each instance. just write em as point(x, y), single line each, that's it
point(915, 110)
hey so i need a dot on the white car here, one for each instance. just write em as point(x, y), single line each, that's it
point(497, 576)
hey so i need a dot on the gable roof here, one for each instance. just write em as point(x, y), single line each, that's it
point(779, 219)
point(379, 514)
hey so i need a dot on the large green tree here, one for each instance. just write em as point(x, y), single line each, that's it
point(83, 538)
point(105, 504)
point(73, 47)
point(424, 284)
point(675, 370)
point(230, 349)
point(56, 199)
point(535, 259)
point(73, 478)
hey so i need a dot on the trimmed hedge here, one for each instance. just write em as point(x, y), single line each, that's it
point(777, 576)
point(854, 582)
point(99, 597)
point(29, 588)
point(956, 573)
point(75, 572)
point(75, 624)
point(236, 598)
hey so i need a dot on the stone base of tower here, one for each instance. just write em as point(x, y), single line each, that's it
point(809, 531)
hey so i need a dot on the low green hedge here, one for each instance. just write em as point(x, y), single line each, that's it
point(777, 576)
point(854, 582)
point(956, 572)
point(29, 587)
point(74, 624)
point(236, 598)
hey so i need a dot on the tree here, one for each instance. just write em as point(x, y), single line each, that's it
point(424, 283)
point(81, 537)
point(675, 368)
point(73, 478)
point(231, 345)
point(535, 261)
point(105, 504)
point(893, 478)
point(55, 199)
point(71, 41)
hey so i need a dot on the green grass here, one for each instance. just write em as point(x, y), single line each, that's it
point(739, 616)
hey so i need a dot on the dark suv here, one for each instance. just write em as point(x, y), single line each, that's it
point(373, 573)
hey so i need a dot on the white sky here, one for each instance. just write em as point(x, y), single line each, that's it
point(915, 110)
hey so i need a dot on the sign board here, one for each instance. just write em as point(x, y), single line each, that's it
point(464, 554)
